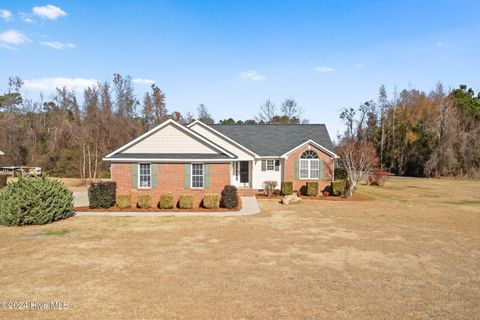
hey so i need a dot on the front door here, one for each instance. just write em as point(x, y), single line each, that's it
point(244, 172)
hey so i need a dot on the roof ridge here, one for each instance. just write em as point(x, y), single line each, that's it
point(268, 124)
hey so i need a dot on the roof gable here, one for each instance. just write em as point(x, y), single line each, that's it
point(215, 136)
point(170, 138)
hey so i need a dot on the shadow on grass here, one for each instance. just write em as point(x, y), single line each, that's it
point(54, 233)
point(471, 202)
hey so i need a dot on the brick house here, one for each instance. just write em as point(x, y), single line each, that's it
point(199, 158)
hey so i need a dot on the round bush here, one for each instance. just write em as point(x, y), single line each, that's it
point(229, 197)
point(34, 200)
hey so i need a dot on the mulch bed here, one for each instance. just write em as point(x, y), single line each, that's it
point(354, 197)
point(115, 209)
point(155, 209)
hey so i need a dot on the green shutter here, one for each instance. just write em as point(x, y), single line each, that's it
point(264, 165)
point(186, 175)
point(296, 169)
point(206, 175)
point(134, 171)
point(322, 169)
point(277, 165)
point(153, 171)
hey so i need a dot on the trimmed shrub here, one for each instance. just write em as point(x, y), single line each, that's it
point(144, 201)
point(211, 201)
point(124, 201)
point(3, 180)
point(340, 174)
point(185, 201)
point(166, 201)
point(269, 187)
point(338, 187)
point(102, 194)
point(286, 188)
point(312, 188)
point(34, 200)
point(229, 197)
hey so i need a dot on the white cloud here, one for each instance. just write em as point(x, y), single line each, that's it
point(6, 15)
point(252, 75)
point(441, 45)
point(359, 65)
point(26, 18)
point(58, 45)
point(146, 82)
point(323, 69)
point(49, 84)
point(49, 12)
point(11, 38)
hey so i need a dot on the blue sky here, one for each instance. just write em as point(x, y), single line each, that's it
point(232, 55)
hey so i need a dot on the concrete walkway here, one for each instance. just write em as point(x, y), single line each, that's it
point(249, 207)
point(80, 198)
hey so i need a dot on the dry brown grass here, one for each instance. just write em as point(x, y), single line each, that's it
point(74, 184)
point(413, 252)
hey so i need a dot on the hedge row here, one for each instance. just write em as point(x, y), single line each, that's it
point(337, 188)
point(103, 195)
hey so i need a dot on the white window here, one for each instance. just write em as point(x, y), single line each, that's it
point(303, 169)
point(144, 177)
point(309, 165)
point(270, 165)
point(197, 175)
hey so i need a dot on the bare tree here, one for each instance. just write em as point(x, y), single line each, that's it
point(358, 158)
point(383, 104)
point(203, 115)
point(147, 111)
point(159, 108)
point(289, 108)
point(125, 99)
point(348, 116)
point(267, 112)
point(188, 118)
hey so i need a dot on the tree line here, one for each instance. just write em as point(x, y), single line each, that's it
point(68, 138)
point(413, 133)
point(416, 133)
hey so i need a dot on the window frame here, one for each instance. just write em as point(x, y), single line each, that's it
point(308, 168)
point(300, 169)
point(196, 175)
point(272, 165)
point(139, 178)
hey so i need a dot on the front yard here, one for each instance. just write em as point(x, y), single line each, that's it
point(413, 252)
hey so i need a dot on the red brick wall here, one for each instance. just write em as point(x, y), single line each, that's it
point(170, 180)
point(290, 168)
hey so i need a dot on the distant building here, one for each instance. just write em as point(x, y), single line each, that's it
point(29, 171)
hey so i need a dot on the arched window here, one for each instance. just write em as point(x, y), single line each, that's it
point(309, 154)
point(309, 165)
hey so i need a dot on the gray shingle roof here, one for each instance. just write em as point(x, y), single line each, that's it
point(275, 139)
point(171, 156)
